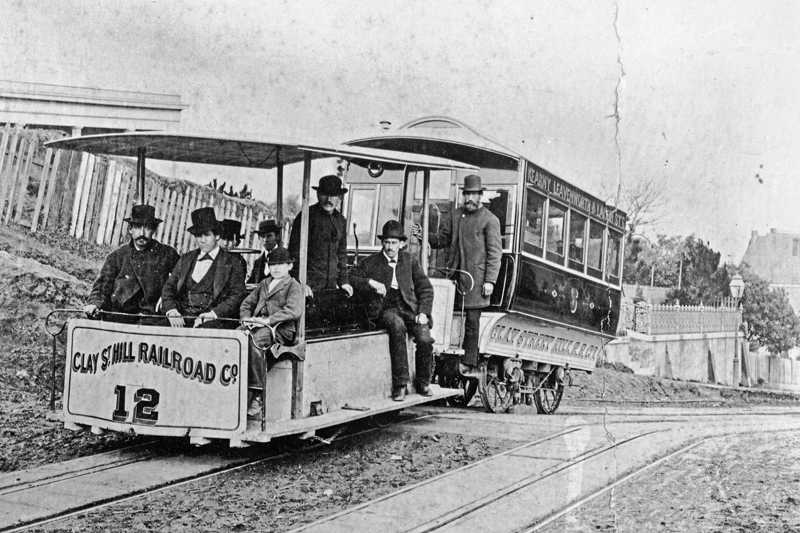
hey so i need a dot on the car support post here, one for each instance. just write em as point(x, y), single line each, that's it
point(426, 199)
point(140, 173)
point(298, 367)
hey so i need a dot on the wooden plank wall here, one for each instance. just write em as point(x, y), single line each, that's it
point(90, 196)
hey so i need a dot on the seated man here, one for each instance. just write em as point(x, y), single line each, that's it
point(403, 297)
point(132, 276)
point(208, 283)
point(229, 238)
point(277, 301)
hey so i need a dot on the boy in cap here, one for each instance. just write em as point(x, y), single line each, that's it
point(132, 276)
point(402, 301)
point(276, 303)
point(327, 239)
point(269, 232)
point(206, 283)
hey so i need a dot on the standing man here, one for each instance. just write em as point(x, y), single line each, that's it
point(269, 232)
point(207, 283)
point(473, 237)
point(132, 276)
point(403, 300)
point(327, 239)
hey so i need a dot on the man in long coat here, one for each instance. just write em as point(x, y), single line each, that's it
point(207, 283)
point(472, 235)
point(132, 276)
point(402, 301)
point(327, 240)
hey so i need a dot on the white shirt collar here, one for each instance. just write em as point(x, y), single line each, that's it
point(389, 259)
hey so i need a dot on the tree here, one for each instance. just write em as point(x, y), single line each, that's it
point(642, 202)
point(659, 259)
point(703, 281)
point(770, 318)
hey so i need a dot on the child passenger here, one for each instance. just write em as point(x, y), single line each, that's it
point(276, 301)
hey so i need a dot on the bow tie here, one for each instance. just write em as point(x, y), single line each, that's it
point(206, 257)
point(392, 262)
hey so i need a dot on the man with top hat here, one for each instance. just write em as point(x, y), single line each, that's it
point(402, 300)
point(269, 232)
point(327, 239)
point(472, 236)
point(132, 276)
point(229, 238)
point(271, 313)
point(206, 284)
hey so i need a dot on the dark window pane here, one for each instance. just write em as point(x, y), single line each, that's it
point(533, 223)
point(612, 262)
point(555, 233)
point(577, 239)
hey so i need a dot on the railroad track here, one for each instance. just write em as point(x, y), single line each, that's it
point(520, 489)
point(58, 487)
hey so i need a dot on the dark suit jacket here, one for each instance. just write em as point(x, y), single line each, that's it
point(228, 284)
point(412, 281)
point(327, 248)
point(283, 304)
point(259, 271)
point(131, 280)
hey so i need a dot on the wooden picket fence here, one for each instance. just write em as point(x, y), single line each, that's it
point(89, 196)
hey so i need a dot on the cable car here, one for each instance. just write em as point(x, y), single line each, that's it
point(193, 382)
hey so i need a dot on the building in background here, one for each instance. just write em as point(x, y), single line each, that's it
point(86, 110)
point(775, 257)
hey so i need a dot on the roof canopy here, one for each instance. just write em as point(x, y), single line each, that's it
point(187, 148)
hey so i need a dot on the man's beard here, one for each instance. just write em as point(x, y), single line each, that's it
point(471, 206)
point(141, 242)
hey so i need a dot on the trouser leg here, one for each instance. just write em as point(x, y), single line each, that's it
point(424, 350)
point(395, 326)
point(472, 324)
point(256, 363)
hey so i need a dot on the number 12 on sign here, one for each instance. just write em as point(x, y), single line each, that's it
point(144, 408)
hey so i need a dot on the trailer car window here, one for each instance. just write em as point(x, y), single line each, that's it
point(389, 200)
point(534, 211)
point(613, 257)
point(362, 206)
point(595, 245)
point(577, 240)
point(555, 233)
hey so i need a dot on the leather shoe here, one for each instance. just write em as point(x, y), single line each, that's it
point(469, 371)
point(424, 390)
point(399, 393)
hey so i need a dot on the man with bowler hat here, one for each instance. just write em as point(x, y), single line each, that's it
point(229, 238)
point(472, 236)
point(132, 276)
point(206, 284)
point(327, 240)
point(402, 300)
point(269, 232)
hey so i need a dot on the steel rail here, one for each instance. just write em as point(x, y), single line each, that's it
point(321, 443)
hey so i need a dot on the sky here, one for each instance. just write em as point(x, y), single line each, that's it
point(699, 97)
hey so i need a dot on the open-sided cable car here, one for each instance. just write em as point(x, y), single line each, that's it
point(193, 382)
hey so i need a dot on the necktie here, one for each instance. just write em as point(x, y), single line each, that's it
point(206, 257)
point(393, 264)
